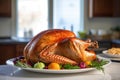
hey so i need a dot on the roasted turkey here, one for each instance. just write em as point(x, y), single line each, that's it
point(60, 46)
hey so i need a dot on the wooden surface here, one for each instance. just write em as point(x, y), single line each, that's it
point(8, 51)
point(104, 8)
point(5, 8)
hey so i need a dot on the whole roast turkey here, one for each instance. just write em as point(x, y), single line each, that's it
point(60, 46)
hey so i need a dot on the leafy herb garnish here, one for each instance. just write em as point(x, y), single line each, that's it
point(21, 64)
point(99, 64)
point(69, 66)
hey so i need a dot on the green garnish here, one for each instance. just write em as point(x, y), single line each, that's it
point(69, 66)
point(99, 64)
point(21, 64)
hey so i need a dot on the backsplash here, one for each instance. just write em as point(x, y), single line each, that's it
point(5, 27)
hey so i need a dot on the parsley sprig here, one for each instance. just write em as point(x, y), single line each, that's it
point(99, 64)
point(22, 65)
point(69, 66)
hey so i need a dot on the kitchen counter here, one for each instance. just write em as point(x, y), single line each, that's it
point(115, 43)
point(14, 41)
point(108, 43)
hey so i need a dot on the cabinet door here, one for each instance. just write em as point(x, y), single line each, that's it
point(5, 8)
point(116, 8)
point(115, 45)
point(19, 49)
point(6, 52)
point(104, 8)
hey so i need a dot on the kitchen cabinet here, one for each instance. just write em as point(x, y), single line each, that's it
point(8, 51)
point(5, 8)
point(104, 8)
point(115, 45)
point(19, 49)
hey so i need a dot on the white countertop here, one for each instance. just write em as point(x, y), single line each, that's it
point(112, 72)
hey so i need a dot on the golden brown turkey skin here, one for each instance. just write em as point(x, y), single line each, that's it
point(42, 40)
point(59, 46)
point(75, 49)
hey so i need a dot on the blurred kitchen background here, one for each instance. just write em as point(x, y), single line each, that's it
point(20, 20)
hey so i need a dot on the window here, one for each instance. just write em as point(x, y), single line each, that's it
point(68, 14)
point(34, 16)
